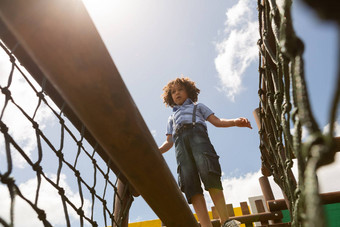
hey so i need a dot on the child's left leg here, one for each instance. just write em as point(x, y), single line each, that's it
point(200, 207)
point(218, 199)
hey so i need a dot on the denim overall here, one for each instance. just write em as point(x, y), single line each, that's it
point(196, 159)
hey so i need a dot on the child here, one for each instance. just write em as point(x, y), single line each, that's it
point(196, 157)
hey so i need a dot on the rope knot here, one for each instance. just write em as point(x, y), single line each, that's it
point(61, 191)
point(77, 173)
point(60, 155)
point(80, 212)
point(37, 168)
point(35, 125)
point(12, 59)
point(41, 214)
point(6, 92)
point(40, 95)
point(278, 96)
point(61, 121)
point(260, 92)
point(3, 128)
point(286, 107)
point(5, 179)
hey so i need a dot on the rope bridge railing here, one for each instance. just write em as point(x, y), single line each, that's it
point(47, 166)
point(284, 103)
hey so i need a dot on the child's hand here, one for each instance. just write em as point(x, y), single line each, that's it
point(242, 122)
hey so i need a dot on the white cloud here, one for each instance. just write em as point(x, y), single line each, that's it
point(19, 127)
point(328, 176)
point(336, 128)
point(239, 189)
point(49, 200)
point(304, 132)
point(239, 49)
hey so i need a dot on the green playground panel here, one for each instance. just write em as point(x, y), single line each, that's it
point(332, 212)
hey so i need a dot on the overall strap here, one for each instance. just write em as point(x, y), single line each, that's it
point(194, 115)
point(174, 126)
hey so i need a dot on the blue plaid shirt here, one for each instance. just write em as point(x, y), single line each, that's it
point(183, 115)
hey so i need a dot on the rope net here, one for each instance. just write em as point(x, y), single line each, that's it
point(50, 175)
point(284, 105)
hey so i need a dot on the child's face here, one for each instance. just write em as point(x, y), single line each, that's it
point(179, 94)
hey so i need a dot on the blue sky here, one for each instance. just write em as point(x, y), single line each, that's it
point(213, 43)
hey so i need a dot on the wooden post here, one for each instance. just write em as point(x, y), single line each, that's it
point(245, 211)
point(264, 170)
point(214, 213)
point(260, 209)
point(267, 192)
point(123, 200)
point(230, 210)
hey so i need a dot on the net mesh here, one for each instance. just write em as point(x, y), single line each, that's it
point(284, 105)
point(50, 175)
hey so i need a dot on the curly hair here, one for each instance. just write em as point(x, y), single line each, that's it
point(188, 85)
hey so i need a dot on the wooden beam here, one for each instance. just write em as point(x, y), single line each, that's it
point(62, 40)
point(277, 225)
point(326, 198)
point(258, 217)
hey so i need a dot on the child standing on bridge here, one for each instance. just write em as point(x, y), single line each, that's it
point(196, 157)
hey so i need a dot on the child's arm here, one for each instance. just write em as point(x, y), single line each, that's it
point(167, 144)
point(239, 122)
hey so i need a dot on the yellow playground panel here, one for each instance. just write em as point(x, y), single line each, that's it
point(158, 223)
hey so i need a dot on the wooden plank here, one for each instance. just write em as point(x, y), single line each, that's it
point(277, 225)
point(326, 198)
point(245, 211)
point(244, 208)
point(216, 223)
point(260, 209)
point(214, 213)
point(230, 210)
point(62, 40)
point(258, 217)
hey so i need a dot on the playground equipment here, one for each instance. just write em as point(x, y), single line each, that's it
point(284, 98)
point(47, 38)
point(56, 40)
